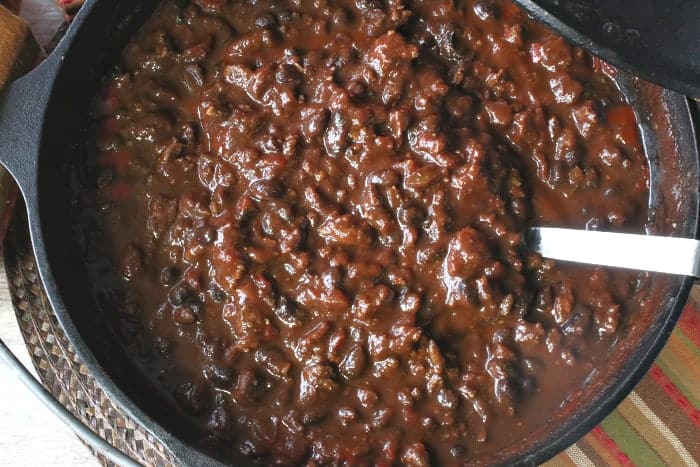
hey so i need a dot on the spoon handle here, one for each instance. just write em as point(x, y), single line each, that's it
point(670, 255)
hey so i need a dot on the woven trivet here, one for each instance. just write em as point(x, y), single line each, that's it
point(59, 368)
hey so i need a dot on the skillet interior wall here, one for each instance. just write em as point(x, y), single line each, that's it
point(62, 154)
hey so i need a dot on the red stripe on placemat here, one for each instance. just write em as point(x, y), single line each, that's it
point(689, 323)
point(658, 375)
point(612, 447)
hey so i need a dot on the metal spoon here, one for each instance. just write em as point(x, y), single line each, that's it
point(670, 255)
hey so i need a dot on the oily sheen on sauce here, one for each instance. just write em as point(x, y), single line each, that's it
point(305, 224)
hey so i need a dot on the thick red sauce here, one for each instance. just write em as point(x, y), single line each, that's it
point(312, 217)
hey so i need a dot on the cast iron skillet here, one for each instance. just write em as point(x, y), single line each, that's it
point(43, 141)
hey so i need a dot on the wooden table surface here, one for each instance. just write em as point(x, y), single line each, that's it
point(29, 434)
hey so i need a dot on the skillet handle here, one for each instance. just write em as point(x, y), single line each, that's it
point(24, 101)
point(98, 444)
point(21, 119)
point(19, 53)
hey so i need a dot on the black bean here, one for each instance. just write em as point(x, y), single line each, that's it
point(427, 422)
point(485, 9)
point(179, 294)
point(288, 74)
point(528, 385)
point(286, 311)
point(380, 418)
point(220, 420)
point(339, 16)
point(354, 363)
point(287, 16)
point(265, 21)
point(217, 295)
point(577, 324)
point(530, 365)
point(610, 192)
point(169, 275)
point(592, 178)
point(218, 375)
point(458, 450)
point(196, 307)
point(186, 133)
point(501, 335)
point(310, 418)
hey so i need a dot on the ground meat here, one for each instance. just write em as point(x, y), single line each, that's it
point(314, 214)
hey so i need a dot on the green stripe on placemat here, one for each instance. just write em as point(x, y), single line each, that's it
point(679, 376)
point(629, 441)
point(687, 342)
